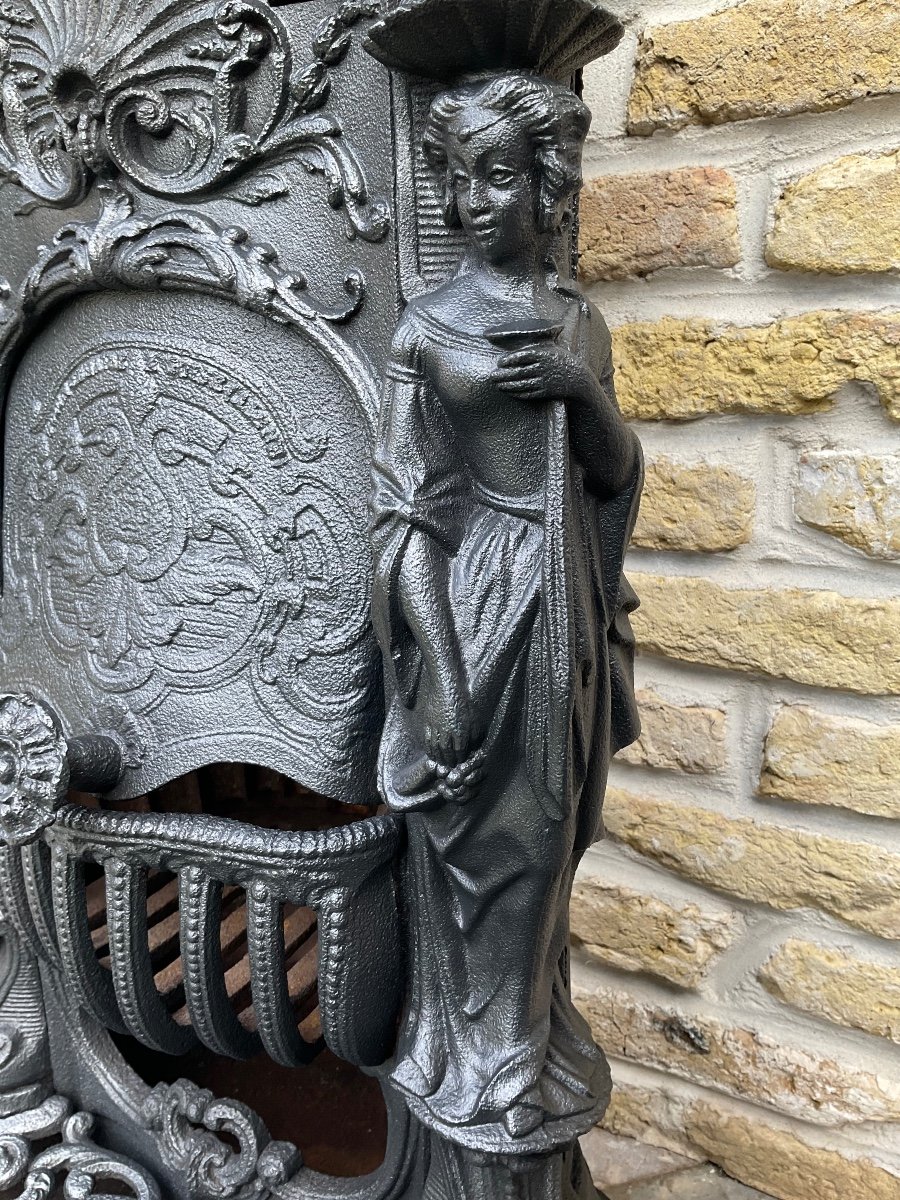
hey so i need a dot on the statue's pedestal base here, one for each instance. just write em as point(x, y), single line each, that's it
point(457, 1174)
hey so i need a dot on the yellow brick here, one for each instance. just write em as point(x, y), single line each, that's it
point(679, 370)
point(699, 507)
point(754, 1147)
point(836, 985)
point(819, 638)
point(858, 882)
point(640, 223)
point(765, 58)
point(677, 737)
point(854, 497)
point(654, 1116)
point(843, 218)
point(813, 758)
point(738, 1060)
point(624, 928)
point(781, 1164)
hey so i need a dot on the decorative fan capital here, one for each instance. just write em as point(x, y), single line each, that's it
point(447, 39)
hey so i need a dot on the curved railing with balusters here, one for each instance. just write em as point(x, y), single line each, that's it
point(280, 939)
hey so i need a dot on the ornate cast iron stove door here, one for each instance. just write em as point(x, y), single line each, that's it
point(312, 461)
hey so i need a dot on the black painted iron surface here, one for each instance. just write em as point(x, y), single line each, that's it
point(312, 460)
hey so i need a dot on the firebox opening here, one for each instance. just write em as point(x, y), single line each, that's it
point(242, 792)
point(330, 1110)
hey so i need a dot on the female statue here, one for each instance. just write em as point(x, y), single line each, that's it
point(505, 490)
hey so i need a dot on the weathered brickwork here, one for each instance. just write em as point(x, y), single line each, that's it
point(814, 637)
point(838, 986)
point(843, 218)
point(738, 1060)
point(780, 1164)
point(763, 1154)
point(854, 497)
point(677, 370)
point(638, 224)
point(695, 507)
point(650, 1113)
point(738, 935)
point(773, 865)
point(687, 738)
point(813, 758)
point(764, 58)
point(634, 931)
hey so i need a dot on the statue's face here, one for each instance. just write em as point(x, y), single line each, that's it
point(496, 181)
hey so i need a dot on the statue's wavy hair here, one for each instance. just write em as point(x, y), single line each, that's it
point(557, 123)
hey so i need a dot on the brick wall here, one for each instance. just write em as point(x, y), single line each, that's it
point(738, 937)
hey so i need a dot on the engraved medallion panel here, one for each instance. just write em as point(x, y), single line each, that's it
point(185, 472)
point(185, 537)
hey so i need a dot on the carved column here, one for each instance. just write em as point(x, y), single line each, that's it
point(505, 490)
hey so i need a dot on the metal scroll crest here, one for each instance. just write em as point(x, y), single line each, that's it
point(194, 99)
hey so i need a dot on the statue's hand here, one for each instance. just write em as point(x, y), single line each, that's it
point(460, 784)
point(544, 373)
point(450, 726)
point(426, 785)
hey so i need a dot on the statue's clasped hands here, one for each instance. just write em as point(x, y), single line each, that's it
point(428, 782)
point(459, 784)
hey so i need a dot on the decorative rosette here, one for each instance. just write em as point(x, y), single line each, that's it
point(34, 774)
point(446, 39)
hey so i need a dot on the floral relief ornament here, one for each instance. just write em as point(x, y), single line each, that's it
point(82, 96)
point(34, 774)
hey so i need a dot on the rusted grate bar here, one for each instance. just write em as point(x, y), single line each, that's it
point(131, 957)
point(213, 930)
point(196, 939)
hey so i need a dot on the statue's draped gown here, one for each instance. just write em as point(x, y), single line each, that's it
point(492, 1053)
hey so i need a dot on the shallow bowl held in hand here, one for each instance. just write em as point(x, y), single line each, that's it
point(519, 335)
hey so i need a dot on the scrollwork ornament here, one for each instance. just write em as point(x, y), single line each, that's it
point(82, 1166)
point(179, 250)
point(20, 1130)
point(188, 1121)
point(82, 96)
point(282, 576)
point(15, 1156)
point(33, 769)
